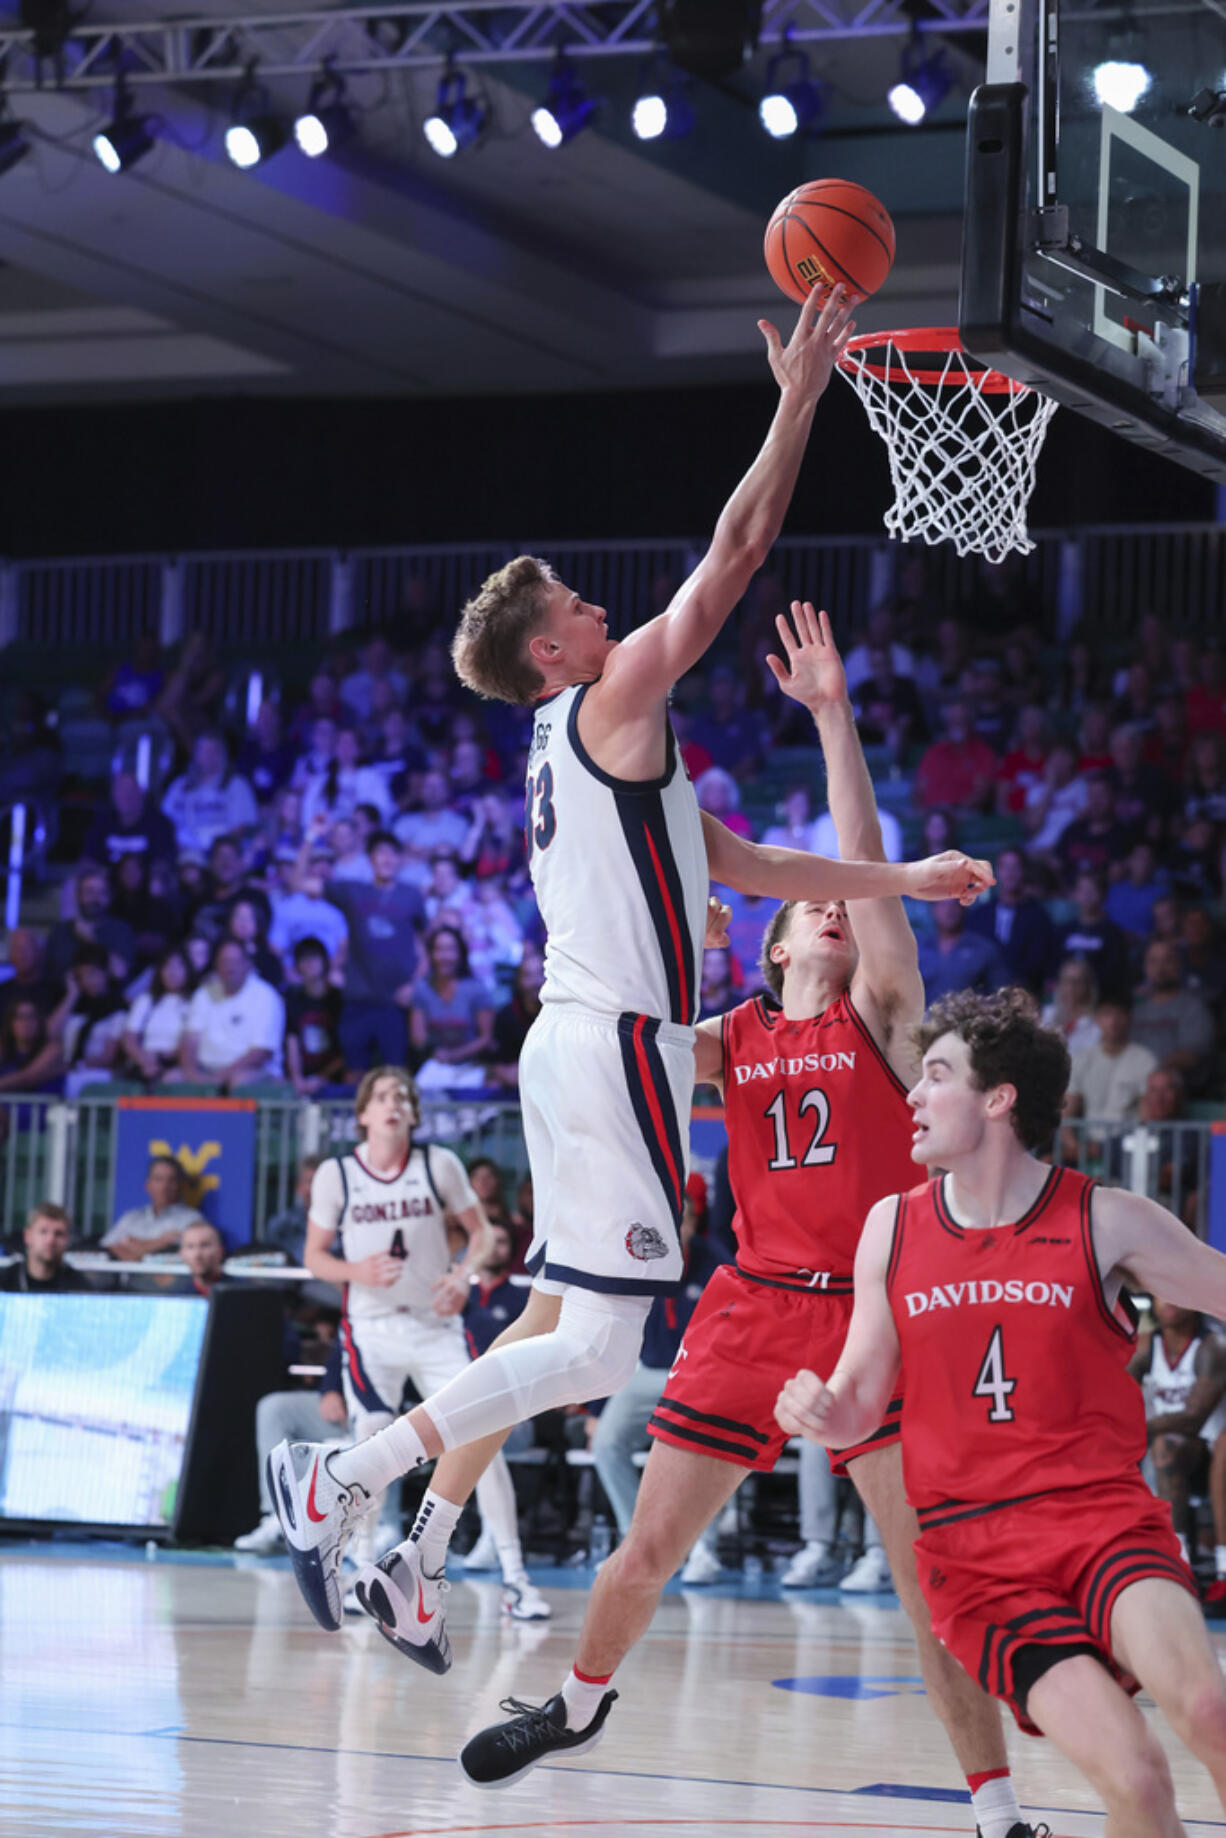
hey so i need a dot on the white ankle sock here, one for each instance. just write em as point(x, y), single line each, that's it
point(382, 1458)
point(511, 1560)
point(582, 1697)
point(995, 1807)
point(436, 1520)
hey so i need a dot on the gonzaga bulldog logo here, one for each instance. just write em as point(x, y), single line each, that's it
point(644, 1242)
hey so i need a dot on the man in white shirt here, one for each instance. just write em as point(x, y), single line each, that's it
point(208, 800)
point(235, 1026)
point(826, 842)
point(1108, 1080)
point(143, 1230)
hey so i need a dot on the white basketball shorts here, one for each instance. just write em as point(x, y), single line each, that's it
point(606, 1110)
point(379, 1352)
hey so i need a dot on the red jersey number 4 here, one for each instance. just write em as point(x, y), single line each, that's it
point(992, 1382)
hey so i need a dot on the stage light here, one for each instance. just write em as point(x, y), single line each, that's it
point(326, 122)
point(791, 100)
point(249, 143)
point(13, 145)
point(1119, 83)
point(126, 138)
point(663, 114)
point(458, 119)
point(922, 86)
point(566, 110)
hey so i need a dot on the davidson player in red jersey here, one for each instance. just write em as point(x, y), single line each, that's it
point(815, 1097)
point(1049, 1568)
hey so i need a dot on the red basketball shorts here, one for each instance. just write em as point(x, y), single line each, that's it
point(1019, 1588)
point(745, 1338)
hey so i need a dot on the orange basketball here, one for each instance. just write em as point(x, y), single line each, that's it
point(829, 230)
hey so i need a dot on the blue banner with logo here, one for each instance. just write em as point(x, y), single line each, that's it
point(213, 1141)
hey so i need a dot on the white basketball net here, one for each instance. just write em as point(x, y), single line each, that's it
point(962, 458)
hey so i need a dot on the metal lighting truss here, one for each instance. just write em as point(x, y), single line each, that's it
point(416, 35)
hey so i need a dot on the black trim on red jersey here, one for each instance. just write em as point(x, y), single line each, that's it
point(1108, 1314)
point(1123, 1567)
point(684, 1433)
point(896, 1231)
point(889, 1430)
point(862, 1025)
point(837, 1285)
point(645, 829)
point(928, 1520)
point(632, 787)
point(767, 1016)
point(716, 1423)
point(1045, 1196)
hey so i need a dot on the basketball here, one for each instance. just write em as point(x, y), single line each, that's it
point(829, 230)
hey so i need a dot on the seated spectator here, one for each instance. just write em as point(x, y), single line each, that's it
point(235, 1025)
point(880, 637)
point(280, 836)
point(378, 668)
point(1108, 1079)
point(224, 882)
point(1173, 1022)
point(314, 1057)
point(1019, 924)
point(203, 1250)
point(1204, 963)
point(30, 1060)
point(717, 994)
point(313, 763)
point(888, 709)
point(286, 1230)
point(954, 958)
point(1194, 859)
point(432, 825)
point(451, 1017)
point(1022, 767)
point(131, 824)
point(1168, 919)
point(485, 1179)
point(209, 800)
point(1205, 787)
point(733, 735)
point(494, 843)
point(959, 769)
point(266, 757)
point(1052, 805)
point(796, 827)
point(1022, 683)
point(446, 897)
point(132, 688)
point(1173, 1165)
point(1096, 840)
point(305, 913)
point(1181, 1369)
point(719, 795)
point(512, 1021)
point(825, 841)
point(1143, 792)
point(991, 715)
point(1205, 701)
point(938, 672)
point(344, 783)
point(146, 907)
point(1130, 902)
point(385, 918)
point(492, 933)
point(349, 860)
point(494, 1302)
point(29, 981)
point(469, 775)
point(145, 1230)
point(323, 703)
point(90, 1021)
point(1095, 937)
point(1166, 746)
point(247, 922)
point(1078, 677)
point(93, 925)
point(1073, 1008)
point(1136, 702)
point(41, 1269)
point(155, 1023)
point(1094, 740)
point(622, 1427)
point(297, 1415)
point(398, 754)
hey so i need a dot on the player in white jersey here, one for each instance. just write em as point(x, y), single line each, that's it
point(391, 1203)
point(1182, 1369)
point(620, 858)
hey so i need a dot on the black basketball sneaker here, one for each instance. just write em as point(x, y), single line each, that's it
point(505, 1752)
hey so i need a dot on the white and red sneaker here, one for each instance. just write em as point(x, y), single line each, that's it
point(318, 1516)
point(407, 1606)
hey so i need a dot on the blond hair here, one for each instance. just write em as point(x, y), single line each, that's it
point(403, 1077)
point(490, 648)
point(49, 1209)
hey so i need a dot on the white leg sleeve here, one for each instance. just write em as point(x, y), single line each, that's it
point(496, 1504)
point(590, 1354)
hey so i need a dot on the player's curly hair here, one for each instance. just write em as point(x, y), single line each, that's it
point(1008, 1046)
point(490, 648)
point(771, 972)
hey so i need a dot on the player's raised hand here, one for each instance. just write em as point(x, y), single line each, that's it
point(803, 1406)
point(951, 876)
point(718, 916)
point(810, 670)
point(806, 363)
point(378, 1271)
point(449, 1294)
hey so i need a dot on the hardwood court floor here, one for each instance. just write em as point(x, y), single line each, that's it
point(180, 1699)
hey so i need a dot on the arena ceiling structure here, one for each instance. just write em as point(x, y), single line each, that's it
point(380, 268)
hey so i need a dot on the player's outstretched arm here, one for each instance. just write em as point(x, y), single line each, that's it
point(790, 874)
point(1153, 1250)
point(643, 669)
point(810, 671)
point(852, 1403)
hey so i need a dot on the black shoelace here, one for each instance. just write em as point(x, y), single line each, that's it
point(532, 1722)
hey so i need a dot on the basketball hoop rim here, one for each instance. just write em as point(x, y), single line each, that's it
point(927, 339)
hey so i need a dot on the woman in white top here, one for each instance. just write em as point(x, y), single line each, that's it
point(153, 1031)
point(343, 784)
point(1072, 1008)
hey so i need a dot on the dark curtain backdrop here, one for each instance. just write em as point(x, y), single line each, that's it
point(243, 473)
